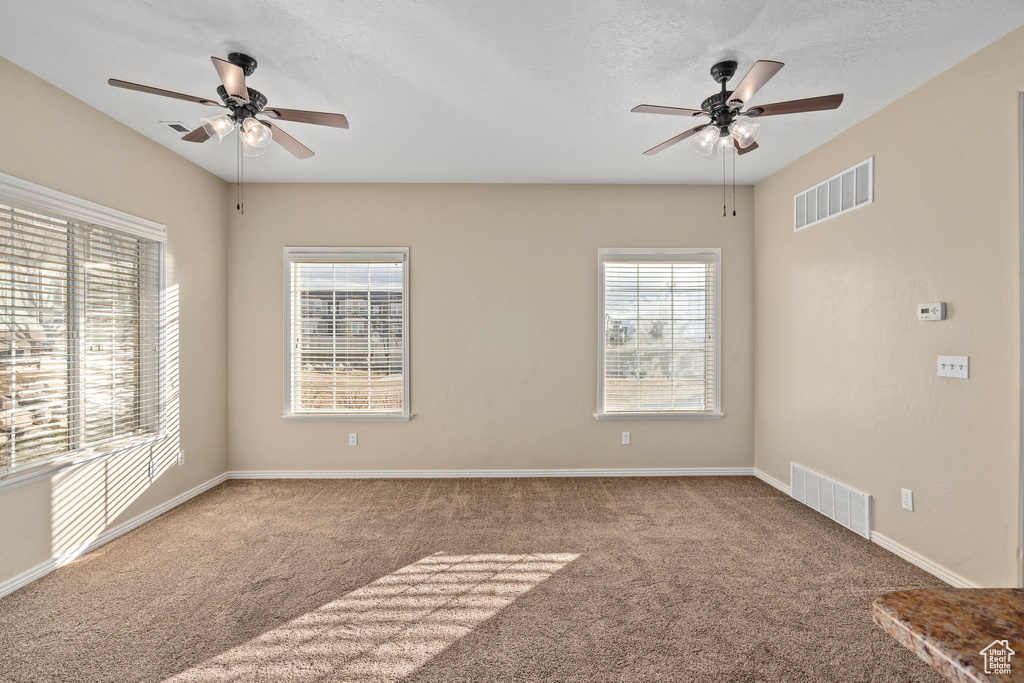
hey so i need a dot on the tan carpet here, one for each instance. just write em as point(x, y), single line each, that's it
point(659, 579)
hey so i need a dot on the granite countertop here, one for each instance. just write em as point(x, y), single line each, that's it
point(949, 628)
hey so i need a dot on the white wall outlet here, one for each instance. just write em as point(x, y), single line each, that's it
point(954, 366)
point(625, 438)
point(353, 439)
point(181, 457)
point(152, 469)
point(908, 499)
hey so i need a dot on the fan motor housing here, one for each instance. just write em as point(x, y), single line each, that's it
point(718, 107)
point(243, 110)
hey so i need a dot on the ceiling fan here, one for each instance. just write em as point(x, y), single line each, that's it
point(732, 131)
point(243, 105)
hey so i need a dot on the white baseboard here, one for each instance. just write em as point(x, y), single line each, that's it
point(769, 479)
point(45, 568)
point(477, 474)
point(41, 570)
point(936, 570)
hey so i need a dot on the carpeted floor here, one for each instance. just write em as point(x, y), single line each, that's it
point(657, 579)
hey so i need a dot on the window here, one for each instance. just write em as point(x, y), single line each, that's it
point(80, 289)
point(354, 366)
point(659, 345)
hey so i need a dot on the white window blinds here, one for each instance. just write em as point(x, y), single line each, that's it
point(660, 332)
point(347, 341)
point(79, 336)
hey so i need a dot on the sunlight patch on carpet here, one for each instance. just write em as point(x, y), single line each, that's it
point(389, 628)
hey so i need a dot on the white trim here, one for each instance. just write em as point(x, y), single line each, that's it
point(32, 197)
point(937, 570)
point(711, 255)
point(489, 474)
point(338, 255)
point(36, 471)
point(1020, 368)
point(772, 481)
point(41, 570)
point(898, 549)
point(659, 416)
point(26, 195)
point(347, 417)
point(345, 254)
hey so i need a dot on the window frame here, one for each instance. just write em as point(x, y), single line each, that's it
point(340, 255)
point(656, 255)
point(22, 194)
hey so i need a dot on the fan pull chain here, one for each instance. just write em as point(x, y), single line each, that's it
point(240, 206)
point(735, 154)
point(724, 162)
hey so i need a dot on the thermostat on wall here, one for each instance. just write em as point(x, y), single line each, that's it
point(936, 311)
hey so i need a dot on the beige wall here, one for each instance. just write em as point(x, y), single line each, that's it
point(50, 138)
point(504, 320)
point(845, 378)
point(504, 324)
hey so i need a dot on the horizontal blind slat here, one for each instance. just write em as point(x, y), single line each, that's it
point(80, 315)
point(659, 334)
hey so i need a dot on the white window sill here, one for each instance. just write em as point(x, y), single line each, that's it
point(347, 417)
point(33, 472)
point(658, 416)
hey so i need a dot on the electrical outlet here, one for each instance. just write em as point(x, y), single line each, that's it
point(908, 500)
point(625, 438)
point(181, 457)
point(353, 439)
point(152, 469)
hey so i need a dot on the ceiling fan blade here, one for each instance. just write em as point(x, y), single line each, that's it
point(749, 148)
point(297, 149)
point(677, 111)
point(299, 116)
point(759, 74)
point(200, 134)
point(678, 138)
point(233, 78)
point(127, 85)
point(796, 106)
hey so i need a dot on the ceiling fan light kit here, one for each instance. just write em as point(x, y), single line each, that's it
point(745, 132)
point(218, 126)
point(255, 136)
point(731, 132)
point(243, 104)
point(704, 141)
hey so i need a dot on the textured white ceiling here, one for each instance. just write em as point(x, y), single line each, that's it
point(485, 91)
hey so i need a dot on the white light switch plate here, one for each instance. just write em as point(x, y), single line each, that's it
point(953, 366)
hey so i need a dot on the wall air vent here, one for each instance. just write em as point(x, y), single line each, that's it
point(847, 506)
point(176, 126)
point(849, 190)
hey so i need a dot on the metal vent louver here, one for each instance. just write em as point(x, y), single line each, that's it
point(849, 507)
point(851, 189)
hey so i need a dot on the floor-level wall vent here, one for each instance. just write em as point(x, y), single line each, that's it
point(849, 507)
